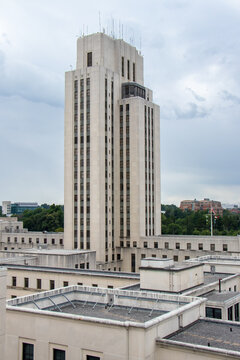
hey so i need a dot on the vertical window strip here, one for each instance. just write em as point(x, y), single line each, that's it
point(121, 175)
point(75, 167)
point(128, 70)
point(82, 167)
point(146, 172)
point(153, 185)
point(88, 175)
point(106, 164)
point(128, 190)
point(149, 174)
point(134, 72)
point(112, 159)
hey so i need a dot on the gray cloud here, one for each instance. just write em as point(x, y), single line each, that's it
point(196, 96)
point(30, 82)
point(226, 95)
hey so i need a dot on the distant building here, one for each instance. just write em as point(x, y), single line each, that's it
point(16, 208)
point(203, 205)
point(6, 207)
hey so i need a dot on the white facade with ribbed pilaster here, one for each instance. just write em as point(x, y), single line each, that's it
point(112, 150)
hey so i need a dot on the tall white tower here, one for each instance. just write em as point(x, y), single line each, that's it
point(112, 150)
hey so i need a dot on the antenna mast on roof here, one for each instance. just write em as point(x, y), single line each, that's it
point(99, 19)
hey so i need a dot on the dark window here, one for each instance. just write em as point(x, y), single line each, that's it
point(89, 59)
point(175, 258)
point(189, 246)
point(143, 256)
point(39, 283)
point(58, 354)
point(95, 285)
point(52, 284)
point(230, 313)
point(90, 357)
point(122, 66)
point(156, 245)
point(118, 256)
point(128, 70)
point(145, 244)
point(200, 246)
point(65, 283)
point(236, 309)
point(134, 76)
point(215, 313)
point(187, 257)
point(53, 241)
point(14, 281)
point(27, 351)
point(26, 282)
point(166, 245)
point(133, 262)
point(212, 247)
point(225, 247)
point(177, 245)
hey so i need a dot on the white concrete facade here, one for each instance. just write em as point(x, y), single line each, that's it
point(112, 151)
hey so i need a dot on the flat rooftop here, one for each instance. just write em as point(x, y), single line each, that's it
point(103, 311)
point(216, 296)
point(219, 334)
point(49, 251)
point(104, 273)
point(93, 303)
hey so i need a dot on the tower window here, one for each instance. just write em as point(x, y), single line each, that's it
point(134, 75)
point(89, 59)
point(122, 66)
point(128, 70)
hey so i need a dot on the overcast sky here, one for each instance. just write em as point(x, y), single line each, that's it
point(191, 54)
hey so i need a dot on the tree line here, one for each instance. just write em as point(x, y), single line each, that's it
point(178, 222)
point(45, 218)
point(174, 221)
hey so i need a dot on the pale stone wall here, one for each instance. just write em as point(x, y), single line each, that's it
point(74, 278)
point(170, 280)
point(3, 278)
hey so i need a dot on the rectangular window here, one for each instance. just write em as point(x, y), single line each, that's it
point(200, 246)
point(133, 263)
point(156, 245)
point(128, 70)
point(225, 247)
point(52, 284)
point(14, 281)
point(177, 245)
point(134, 76)
point(26, 282)
point(39, 283)
point(145, 244)
point(27, 351)
point(166, 245)
point(95, 285)
point(89, 59)
point(91, 357)
point(187, 257)
point(175, 258)
point(212, 247)
point(58, 354)
point(122, 66)
point(65, 283)
point(143, 256)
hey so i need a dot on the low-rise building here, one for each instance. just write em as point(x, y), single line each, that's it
point(202, 205)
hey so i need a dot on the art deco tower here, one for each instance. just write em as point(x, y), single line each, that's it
point(112, 150)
